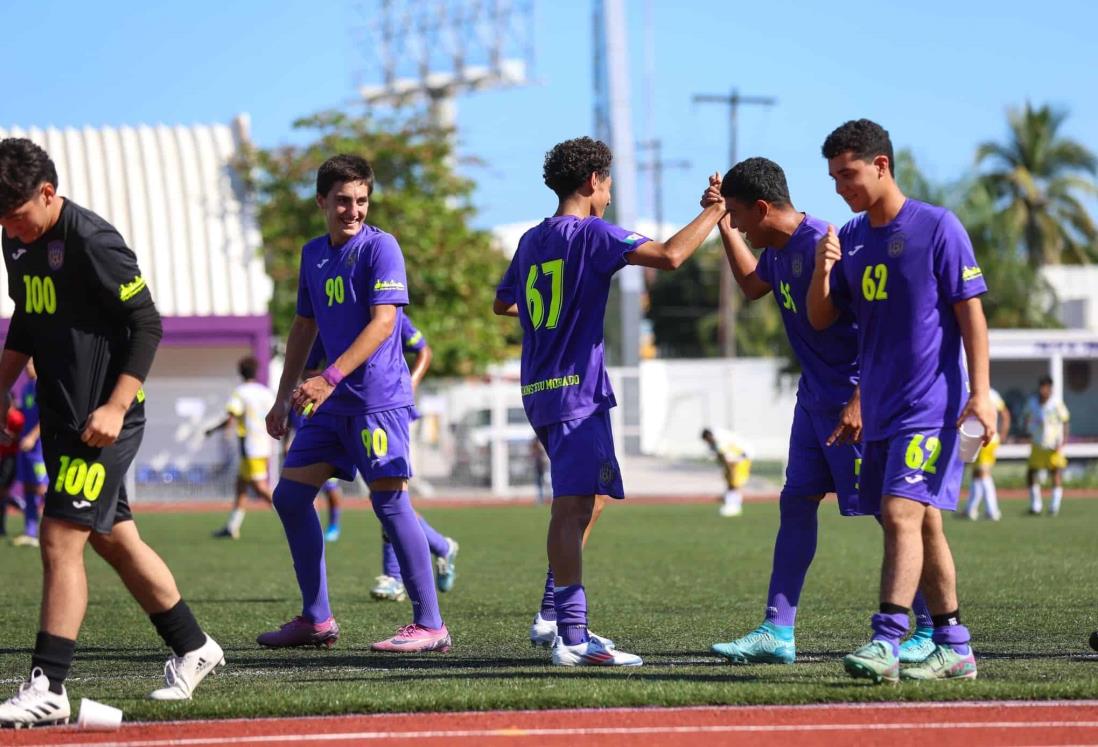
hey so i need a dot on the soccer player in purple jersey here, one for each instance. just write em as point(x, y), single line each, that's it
point(907, 272)
point(557, 285)
point(390, 584)
point(352, 289)
point(30, 464)
point(824, 456)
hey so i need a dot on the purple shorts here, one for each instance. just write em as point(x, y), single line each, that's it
point(815, 468)
point(581, 456)
point(920, 464)
point(30, 466)
point(376, 444)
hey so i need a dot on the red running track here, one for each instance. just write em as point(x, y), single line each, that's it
point(893, 724)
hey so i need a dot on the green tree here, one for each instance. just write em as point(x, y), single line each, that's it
point(1039, 179)
point(452, 268)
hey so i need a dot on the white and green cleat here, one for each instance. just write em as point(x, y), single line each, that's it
point(766, 644)
point(943, 664)
point(873, 661)
point(918, 647)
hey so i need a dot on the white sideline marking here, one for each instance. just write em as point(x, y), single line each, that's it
point(591, 731)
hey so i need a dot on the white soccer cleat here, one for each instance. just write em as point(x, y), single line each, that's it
point(35, 704)
point(731, 509)
point(544, 632)
point(182, 674)
point(591, 654)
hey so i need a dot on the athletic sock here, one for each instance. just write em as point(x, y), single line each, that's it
point(571, 603)
point(1057, 496)
point(30, 513)
point(733, 497)
point(923, 618)
point(294, 503)
point(794, 549)
point(1035, 498)
point(333, 515)
point(394, 509)
point(548, 598)
point(948, 631)
point(390, 566)
point(178, 628)
point(975, 497)
point(890, 625)
point(435, 540)
point(991, 496)
point(53, 655)
point(236, 518)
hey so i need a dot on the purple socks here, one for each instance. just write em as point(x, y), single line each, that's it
point(794, 549)
point(30, 513)
point(548, 599)
point(294, 503)
point(890, 627)
point(399, 522)
point(390, 566)
point(571, 603)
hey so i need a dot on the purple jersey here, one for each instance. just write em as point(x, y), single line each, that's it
point(829, 359)
point(28, 405)
point(560, 278)
point(317, 357)
point(901, 281)
point(411, 338)
point(337, 286)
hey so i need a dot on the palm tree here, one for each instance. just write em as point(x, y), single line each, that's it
point(1039, 179)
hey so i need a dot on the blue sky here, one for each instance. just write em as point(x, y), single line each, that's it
point(940, 75)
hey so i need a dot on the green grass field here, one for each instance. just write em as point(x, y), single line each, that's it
point(664, 582)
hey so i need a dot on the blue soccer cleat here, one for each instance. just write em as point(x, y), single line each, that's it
point(446, 573)
point(766, 644)
point(918, 647)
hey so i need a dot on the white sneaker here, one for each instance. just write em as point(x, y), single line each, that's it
point(387, 587)
point(183, 673)
point(591, 654)
point(731, 509)
point(35, 705)
point(543, 633)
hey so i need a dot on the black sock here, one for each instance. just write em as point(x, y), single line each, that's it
point(179, 629)
point(888, 608)
point(53, 655)
point(949, 618)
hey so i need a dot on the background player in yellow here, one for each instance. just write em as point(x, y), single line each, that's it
point(1046, 422)
point(983, 484)
point(734, 456)
point(247, 408)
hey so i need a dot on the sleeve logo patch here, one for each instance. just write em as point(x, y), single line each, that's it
point(388, 285)
point(971, 273)
point(126, 291)
point(632, 238)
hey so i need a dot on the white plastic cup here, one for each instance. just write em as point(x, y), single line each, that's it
point(971, 435)
point(96, 716)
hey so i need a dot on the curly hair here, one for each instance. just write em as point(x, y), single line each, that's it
point(24, 167)
point(344, 168)
point(756, 179)
point(569, 163)
point(862, 137)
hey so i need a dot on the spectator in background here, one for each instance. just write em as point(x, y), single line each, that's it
point(1046, 422)
point(540, 461)
point(734, 456)
point(983, 485)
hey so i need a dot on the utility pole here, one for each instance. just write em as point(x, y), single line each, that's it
point(727, 319)
point(657, 166)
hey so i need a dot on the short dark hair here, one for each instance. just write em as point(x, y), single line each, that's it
point(344, 168)
point(248, 367)
point(569, 164)
point(24, 167)
point(756, 179)
point(862, 137)
point(707, 434)
point(1044, 380)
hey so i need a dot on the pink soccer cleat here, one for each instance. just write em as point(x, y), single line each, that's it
point(416, 639)
point(301, 632)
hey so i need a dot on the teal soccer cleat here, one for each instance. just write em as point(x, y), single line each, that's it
point(766, 644)
point(918, 647)
point(873, 661)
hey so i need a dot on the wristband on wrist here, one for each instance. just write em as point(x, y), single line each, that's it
point(332, 375)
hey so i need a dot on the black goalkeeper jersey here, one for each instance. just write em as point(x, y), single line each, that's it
point(77, 293)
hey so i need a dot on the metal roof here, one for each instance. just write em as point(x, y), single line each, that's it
point(173, 194)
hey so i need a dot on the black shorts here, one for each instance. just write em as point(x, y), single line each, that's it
point(87, 485)
point(7, 470)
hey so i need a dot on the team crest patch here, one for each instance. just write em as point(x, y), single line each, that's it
point(797, 266)
point(55, 254)
point(606, 473)
point(896, 245)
